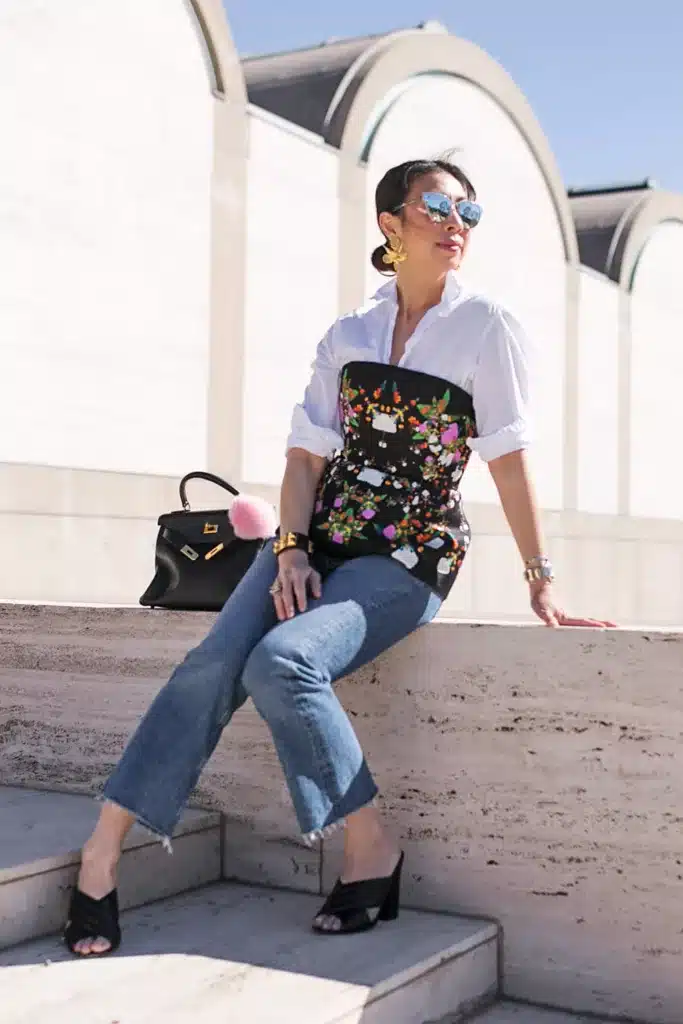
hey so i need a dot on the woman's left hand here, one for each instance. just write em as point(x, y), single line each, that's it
point(543, 603)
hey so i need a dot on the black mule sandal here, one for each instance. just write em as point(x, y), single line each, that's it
point(358, 906)
point(93, 919)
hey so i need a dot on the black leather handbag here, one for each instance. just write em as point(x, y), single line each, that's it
point(199, 560)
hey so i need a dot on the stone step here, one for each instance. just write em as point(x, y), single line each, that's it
point(41, 834)
point(245, 954)
point(521, 1013)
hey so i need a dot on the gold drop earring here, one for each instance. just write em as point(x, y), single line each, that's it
point(395, 252)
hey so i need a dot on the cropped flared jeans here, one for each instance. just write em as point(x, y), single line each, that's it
point(287, 668)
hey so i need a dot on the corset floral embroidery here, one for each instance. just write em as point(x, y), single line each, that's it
point(393, 488)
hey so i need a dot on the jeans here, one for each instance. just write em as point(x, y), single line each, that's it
point(287, 668)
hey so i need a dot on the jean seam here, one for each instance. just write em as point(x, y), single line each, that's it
point(322, 762)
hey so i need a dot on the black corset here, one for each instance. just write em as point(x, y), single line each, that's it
point(394, 487)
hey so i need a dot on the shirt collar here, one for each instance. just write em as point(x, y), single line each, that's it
point(451, 293)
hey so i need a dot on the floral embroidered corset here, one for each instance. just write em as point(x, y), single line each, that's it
point(393, 488)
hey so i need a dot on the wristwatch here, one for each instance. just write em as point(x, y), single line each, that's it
point(292, 541)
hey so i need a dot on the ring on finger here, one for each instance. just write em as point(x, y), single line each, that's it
point(276, 587)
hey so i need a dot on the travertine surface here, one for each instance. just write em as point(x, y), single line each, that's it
point(40, 838)
point(520, 1013)
point(232, 953)
point(535, 776)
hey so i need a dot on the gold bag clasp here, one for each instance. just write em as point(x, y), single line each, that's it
point(213, 551)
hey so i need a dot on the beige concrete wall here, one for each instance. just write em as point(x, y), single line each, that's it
point(656, 321)
point(533, 776)
point(598, 393)
point(88, 537)
point(105, 226)
point(291, 271)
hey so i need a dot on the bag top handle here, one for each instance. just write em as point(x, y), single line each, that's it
point(199, 474)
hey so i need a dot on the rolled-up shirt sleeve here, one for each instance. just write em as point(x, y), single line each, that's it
point(315, 423)
point(501, 389)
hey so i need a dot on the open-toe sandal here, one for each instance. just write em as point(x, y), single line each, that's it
point(93, 919)
point(358, 906)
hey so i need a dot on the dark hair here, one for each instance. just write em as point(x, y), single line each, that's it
point(392, 190)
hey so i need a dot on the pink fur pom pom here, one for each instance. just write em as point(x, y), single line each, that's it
point(252, 518)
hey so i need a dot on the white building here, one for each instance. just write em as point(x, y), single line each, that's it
point(177, 230)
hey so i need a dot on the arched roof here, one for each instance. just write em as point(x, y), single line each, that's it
point(228, 80)
point(299, 85)
point(614, 223)
point(338, 88)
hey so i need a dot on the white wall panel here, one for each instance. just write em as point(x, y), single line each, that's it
point(598, 393)
point(292, 284)
point(516, 255)
point(657, 376)
point(105, 108)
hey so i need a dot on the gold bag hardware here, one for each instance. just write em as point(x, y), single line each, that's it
point(213, 551)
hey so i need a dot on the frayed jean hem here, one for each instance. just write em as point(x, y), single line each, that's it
point(156, 833)
point(319, 834)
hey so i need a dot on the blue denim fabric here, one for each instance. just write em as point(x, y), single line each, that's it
point(368, 604)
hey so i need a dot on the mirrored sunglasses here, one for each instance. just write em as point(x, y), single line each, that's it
point(440, 207)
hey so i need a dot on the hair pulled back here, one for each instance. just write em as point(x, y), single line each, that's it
point(392, 190)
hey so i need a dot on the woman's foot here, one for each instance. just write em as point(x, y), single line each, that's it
point(370, 854)
point(96, 879)
point(357, 906)
point(93, 926)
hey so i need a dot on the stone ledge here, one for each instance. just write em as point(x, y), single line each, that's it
point(535, 776)
point(234, 953)
point(39, 855)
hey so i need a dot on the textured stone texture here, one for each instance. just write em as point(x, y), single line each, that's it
point(39, 854)
point(520, 1013)
point(535, 777)
point(249, 955)
point(42, 831)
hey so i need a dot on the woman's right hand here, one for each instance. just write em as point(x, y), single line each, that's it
point(296, 576)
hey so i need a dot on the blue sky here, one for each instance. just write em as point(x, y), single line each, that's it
point(605, 78)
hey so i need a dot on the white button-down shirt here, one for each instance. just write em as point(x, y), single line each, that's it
point(465, 339)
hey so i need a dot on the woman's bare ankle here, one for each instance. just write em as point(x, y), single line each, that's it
point(102, 850)
point(96, 855)
point(97, 875)
point(96, 883)
point(370, 850)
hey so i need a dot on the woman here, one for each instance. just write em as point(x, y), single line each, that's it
point(371, 541)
